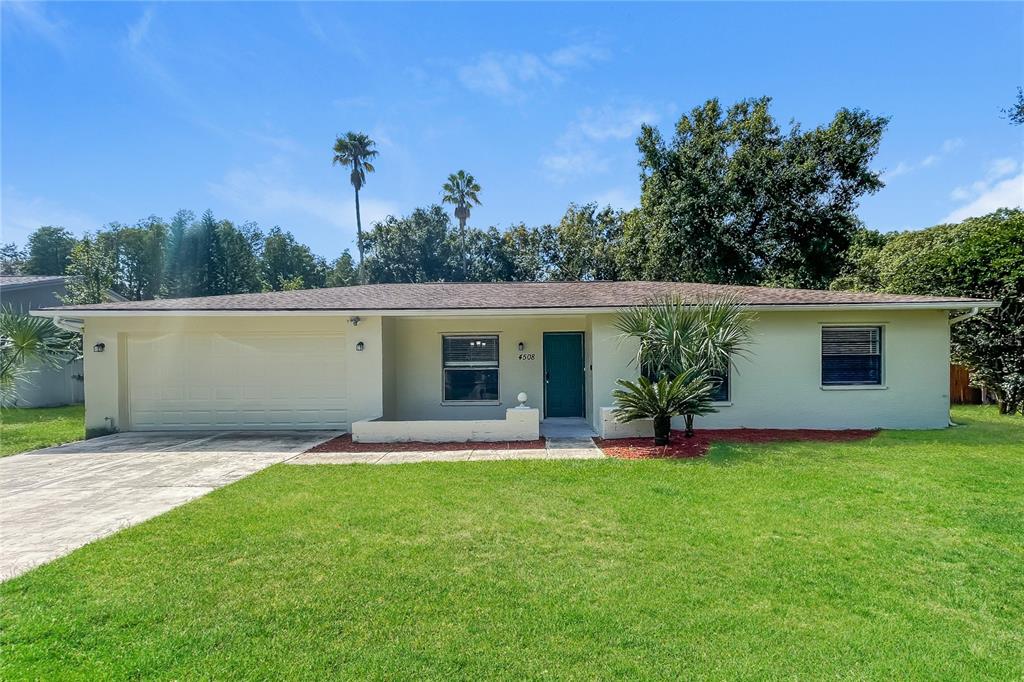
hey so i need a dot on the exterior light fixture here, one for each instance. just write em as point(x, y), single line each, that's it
point(360, 346)
point(99, 348)
point(354, 320)
point(522, 346)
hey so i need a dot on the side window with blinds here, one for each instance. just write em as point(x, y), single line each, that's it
point(721, 393)
point(469, 365)
point(851, 356)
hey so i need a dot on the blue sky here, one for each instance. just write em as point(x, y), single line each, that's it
point(113, 112)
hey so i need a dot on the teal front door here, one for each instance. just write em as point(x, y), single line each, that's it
point(563, 375)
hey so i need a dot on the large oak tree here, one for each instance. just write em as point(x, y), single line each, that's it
point(734, 198)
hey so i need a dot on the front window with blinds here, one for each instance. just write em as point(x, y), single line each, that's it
point(470, 368)
point(851, 356)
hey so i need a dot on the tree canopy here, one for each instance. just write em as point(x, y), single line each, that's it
point(732, 198)
point(980, 258)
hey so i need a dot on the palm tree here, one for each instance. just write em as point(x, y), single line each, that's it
point(27, 343)
point(461, 192)
point(675, 338)
point(354, 151)
point(688, 393)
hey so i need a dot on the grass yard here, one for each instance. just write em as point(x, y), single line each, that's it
point(891, 558)
point(23, 429)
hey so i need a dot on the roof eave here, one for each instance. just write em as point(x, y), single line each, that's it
point(461, 312)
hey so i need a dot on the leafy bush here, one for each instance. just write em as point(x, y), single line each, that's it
point(983, 258)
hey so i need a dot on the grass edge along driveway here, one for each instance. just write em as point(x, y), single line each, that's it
point(23, 429)
point(896, 557)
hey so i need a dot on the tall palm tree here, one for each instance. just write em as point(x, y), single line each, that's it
point(461, 192)
point(354, 150)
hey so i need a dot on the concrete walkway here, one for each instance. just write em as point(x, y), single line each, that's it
point(475, 452)
point(58, 499)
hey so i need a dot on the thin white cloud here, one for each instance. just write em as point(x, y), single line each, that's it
point(580, 150)
point(1008, 193)
point(268, 196)
point(614, 123)
point(904, 167)
point(570, 164)
point(580, 54)
point(952, 144)
point(995, 190)
point(139, 29)
point(620, 198)
point(996, 169)
point(35, 18)
point(509, 75)
point(22, 215)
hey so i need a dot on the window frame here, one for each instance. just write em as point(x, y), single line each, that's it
point(728, 388)
point(881, 384)
point(496, 368)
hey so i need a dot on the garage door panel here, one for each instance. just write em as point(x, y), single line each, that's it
point(224, 381)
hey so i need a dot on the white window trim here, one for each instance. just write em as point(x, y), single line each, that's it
point(470, 403)
point(883, 342)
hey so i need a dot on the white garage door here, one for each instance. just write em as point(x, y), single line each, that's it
point(244, 381)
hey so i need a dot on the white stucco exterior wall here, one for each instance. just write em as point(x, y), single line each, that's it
point(398, 374)
point(778, 385)
point(417, 362)
point(106, 404)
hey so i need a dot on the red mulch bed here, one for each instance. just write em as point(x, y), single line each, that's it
point(345, 444)
point(681, 447)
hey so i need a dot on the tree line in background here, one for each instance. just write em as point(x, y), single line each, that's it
point(731, 198)
point(187, 256)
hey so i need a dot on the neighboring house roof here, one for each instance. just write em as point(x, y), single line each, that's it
point(13, 282)
point(522, 296)
point(24, 281)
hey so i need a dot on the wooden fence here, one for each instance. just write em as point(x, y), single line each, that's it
point(960, 390)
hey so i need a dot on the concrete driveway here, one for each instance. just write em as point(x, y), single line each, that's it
point(58, 499)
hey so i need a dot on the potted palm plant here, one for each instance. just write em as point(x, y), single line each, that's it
point(697, 341)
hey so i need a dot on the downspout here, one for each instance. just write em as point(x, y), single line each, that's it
point(960, 318)
point(70, 324)
point(966, 316)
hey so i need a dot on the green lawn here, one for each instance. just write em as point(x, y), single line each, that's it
point(898, 557)
point(23, 429)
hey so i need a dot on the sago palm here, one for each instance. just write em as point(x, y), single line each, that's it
point(686, 393)
point(461, 191)
point(355, 150)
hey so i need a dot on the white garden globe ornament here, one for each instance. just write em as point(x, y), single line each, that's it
point(522, 399)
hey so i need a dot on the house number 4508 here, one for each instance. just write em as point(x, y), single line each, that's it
point(527, 356)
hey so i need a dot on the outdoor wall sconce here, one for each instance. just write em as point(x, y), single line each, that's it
point(522, 346)
point(354, 320)
point(99, 348)
point(360, 346)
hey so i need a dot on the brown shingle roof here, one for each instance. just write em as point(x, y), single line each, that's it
point(513, 295)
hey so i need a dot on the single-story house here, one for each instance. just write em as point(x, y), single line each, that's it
point(448, 361)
